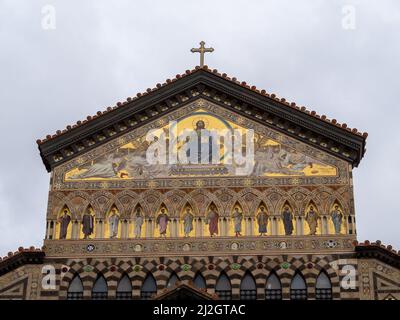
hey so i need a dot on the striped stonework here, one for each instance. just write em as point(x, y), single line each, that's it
point(186, 268)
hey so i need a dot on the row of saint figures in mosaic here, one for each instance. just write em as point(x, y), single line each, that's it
point(237, 224)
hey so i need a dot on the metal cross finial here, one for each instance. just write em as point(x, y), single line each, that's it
point(202, 50)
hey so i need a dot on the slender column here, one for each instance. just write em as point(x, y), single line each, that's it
point(252, 223)
point(296, 220)
point(74, 226)
point(351, 229)
point(302, 226)
point(201, 226)
point(273, 227)
point(245, 226)
point(353, 223)
point(174, 232)
point(149, 228)
point(98, 234)
point(226, 223)
point(196, 227)
point(125, 229)
point(221, 226)
point(47, 229)
point(277, 224)
point(129, 228)
point(53, 229)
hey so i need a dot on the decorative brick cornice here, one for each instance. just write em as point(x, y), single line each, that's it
point(21, 257)
point(377, 250)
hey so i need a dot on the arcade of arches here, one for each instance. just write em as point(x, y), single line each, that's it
point(272, 211)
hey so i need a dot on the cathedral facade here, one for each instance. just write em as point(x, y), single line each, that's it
point(202, 188)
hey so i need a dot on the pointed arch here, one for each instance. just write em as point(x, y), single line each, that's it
point(101, 201)
point(313, 225)
point(162, 206)
point(203, 198)
point(223, 287)
point(336, 219)
point(141, 206)
point(298, 287)
point(149, 287)
point(124, 288)
point(147, 212)
point(75, 289)
point(199, 281)
point(112, 222)
point(64, 223)
point(273, 287)
point(238, 203)
point(89, 208)
point(287, 218)
point(173, 279)
point(248, 288)
point(128, 200)
point(323, 287)
point(187, 204)
point(92, 230)
point(312, 203)
point(100, 288)
point(211, 204)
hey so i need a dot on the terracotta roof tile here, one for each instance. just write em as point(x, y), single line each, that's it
point(224, 76)
point(20, 251)
point(378, 244)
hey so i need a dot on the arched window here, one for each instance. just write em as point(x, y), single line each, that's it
point(100, 290)
point(124, 289)
point(172, 280)
point(298, 288)
point(199, 281)
point(273, 288)
point(75, 289)
point(149, 287)
point(248, 289)
point(323, 287)
point(223, 287)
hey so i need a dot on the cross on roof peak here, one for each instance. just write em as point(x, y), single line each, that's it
point(202, 50)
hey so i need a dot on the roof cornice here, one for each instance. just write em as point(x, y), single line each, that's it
point(307, 126)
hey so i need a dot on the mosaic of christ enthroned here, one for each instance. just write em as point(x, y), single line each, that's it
point(129, 161)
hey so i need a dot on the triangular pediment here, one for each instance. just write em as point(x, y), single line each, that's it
point(184, 292)
point(386, 288)
point(123, 162)
point(15, 290)
point(247, 102)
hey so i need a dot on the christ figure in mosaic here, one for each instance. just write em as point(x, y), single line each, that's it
point(187, 222)
point(237, 221)
point(262, 220)
point(138, 223)
point(337, 218)
point(287, 217)
point(87, 224)
point(113, 222)
point(212, 220)
point(162, 221)
point(312, 220)
point(64, 223)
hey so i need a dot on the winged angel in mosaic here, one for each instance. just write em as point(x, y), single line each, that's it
point(274, 158)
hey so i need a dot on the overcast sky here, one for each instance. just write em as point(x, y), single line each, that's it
point(100, 52)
